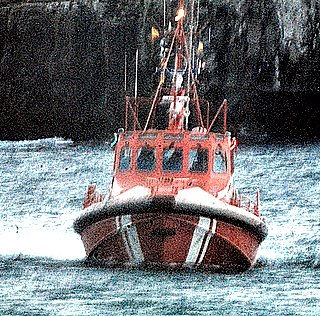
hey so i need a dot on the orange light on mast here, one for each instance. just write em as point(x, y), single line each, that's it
point(180, 14)
point(200, 48)
point(154, 33)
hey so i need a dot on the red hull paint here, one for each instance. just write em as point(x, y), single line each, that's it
point(170, 240)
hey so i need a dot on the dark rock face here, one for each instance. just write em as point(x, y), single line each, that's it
point(60, 69)
point(62, 64)
point(51, 71)
point(264, 58)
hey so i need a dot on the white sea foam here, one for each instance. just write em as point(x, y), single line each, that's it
point(35, 242)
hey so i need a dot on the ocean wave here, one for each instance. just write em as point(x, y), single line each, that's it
point(29, 145)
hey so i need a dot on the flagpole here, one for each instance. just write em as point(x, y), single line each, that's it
point(136, 89)
point(190, 65)
point(125, 92)
point(136, 79)
point(164, 14)
point(125, 73)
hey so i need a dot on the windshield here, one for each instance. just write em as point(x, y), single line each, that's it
point(220, 161)
point(172, 159)
point(125, 158)
point(198, 160)
point(146, 158)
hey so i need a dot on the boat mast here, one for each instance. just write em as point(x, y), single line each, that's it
point(176, 110)
point(164, 14)
point(136, 88)
point(125, 92)
point(189, 68)
point(136, 77)
point(184, 44)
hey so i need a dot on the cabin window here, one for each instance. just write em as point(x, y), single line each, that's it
point(219, 161)
point(198, 160)
point(146, 160)
point(172, 159)
point(125, 158)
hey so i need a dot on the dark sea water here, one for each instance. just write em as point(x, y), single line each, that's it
point(42, 267)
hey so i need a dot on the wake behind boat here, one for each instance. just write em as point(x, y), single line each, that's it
point(172, 202)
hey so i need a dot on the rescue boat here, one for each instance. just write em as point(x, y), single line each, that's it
point(172, 201)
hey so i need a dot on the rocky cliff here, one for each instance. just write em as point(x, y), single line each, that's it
point(61, 64)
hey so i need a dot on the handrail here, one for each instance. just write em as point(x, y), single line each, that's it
point(253, 206)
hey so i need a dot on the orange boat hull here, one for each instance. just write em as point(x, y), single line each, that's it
point(170, 240)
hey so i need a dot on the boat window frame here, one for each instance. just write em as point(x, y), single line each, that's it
point(224, 161)
point(138, 153)
point(173, 136)
point(204, 149)
point(120, 158)
point(175, 150)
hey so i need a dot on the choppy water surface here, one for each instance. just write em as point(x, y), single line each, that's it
point(42, 271)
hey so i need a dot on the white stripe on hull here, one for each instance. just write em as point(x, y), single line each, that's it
point(209, 235)
point(117, 219)
point(124, 237)
point(197, 240)
point(131, 239)
point(201, 236)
